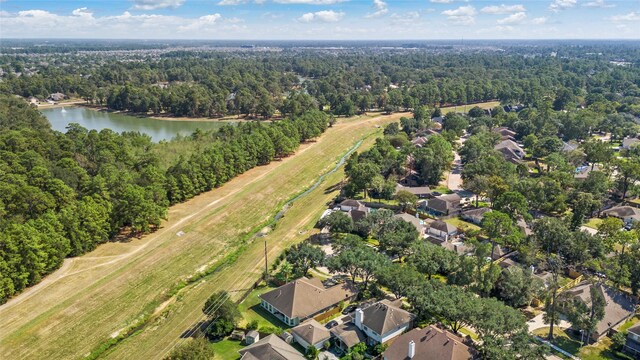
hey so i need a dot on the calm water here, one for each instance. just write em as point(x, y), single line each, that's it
point(98, 120)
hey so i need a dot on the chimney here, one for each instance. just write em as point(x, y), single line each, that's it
point(412, 349)
point(359, 318)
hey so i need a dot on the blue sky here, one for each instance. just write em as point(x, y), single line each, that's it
point(321, 19)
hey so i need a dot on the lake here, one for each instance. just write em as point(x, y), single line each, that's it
point(98, 120)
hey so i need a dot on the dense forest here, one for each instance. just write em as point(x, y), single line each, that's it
point(215, 84)
point(63, 194)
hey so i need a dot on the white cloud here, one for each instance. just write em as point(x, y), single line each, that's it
point(464, 15)
point(201, 23)
point(516, 18)
point(310, 2)
point(156, 4)
point(380, 8)
point(503, 9)
point(539, 20)
point(442, 1)
point(232, 2)
point(558, 5)
point(632, 16)
point(82, 23)
point(598, 4)
point(406, 18)
point(321, 16)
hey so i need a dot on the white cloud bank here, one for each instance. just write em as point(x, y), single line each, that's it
point(464, 15)
point(326, 16)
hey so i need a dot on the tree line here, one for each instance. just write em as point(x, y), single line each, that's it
point(63, 194)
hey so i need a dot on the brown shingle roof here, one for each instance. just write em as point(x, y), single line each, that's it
point(412, 220)
point(623, 212)
point(349, 334)
point(270, 348)
point(384, 316)
point(430, 343)
point(443, 226)
point(619, 306)
point(312, 332)
point(304, 297)
point(444, 203)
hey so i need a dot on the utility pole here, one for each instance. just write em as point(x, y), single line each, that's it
point(266, 266)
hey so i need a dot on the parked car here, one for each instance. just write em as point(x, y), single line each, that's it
point(349, 309)
point(331, 324)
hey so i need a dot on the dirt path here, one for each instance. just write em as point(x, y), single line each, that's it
point(95, 296)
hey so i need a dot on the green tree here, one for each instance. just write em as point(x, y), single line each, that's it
point(406, 199)
point(192, 349)
point(223, 315)
point(501, 230)
point(303, 257)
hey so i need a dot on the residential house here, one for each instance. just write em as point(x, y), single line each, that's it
point(582, 172)
point(311, 333)
point(438, 119)
point(505, 133)
point(456, 246)
point(628, 214)
point(442, 230)
point(411, 179)
point(628, 143)
point(419, 141)
point(347, 335)
point(511, 151)
point(569, 146)
point(383, 321)
point(474, 215)
point(444, 205)
point(270, 348)
point(419, 191)
point(618, 309)
point(350, 204)
point(355, 209)
point(429, 343)
point(305, 298)
point(413, 220)
point(57, 96)
point(632, 346)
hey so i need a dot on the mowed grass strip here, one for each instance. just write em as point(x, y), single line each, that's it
point(295, 226)
point(90, 301)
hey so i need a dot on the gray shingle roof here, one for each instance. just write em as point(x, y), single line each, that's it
point(384, 316)
point(312, 332)
point(304, 297)
point(270, 348)
point(430, 343)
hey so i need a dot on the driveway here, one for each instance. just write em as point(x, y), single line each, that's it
point(538, 323)
point(453, 178)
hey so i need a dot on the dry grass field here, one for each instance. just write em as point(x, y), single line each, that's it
point(466, 108)
point(132, 287)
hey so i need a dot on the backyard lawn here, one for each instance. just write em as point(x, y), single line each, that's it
point(599, 351)
point(461, 224)
point(250, 310)
point(226, 349)
point(593, 223)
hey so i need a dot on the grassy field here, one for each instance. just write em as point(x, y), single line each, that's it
point(132, 287)
point(466, 108)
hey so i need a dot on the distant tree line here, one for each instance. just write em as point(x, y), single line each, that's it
point(213, 84)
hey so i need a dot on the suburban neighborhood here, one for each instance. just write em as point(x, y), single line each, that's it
point(361, 290)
